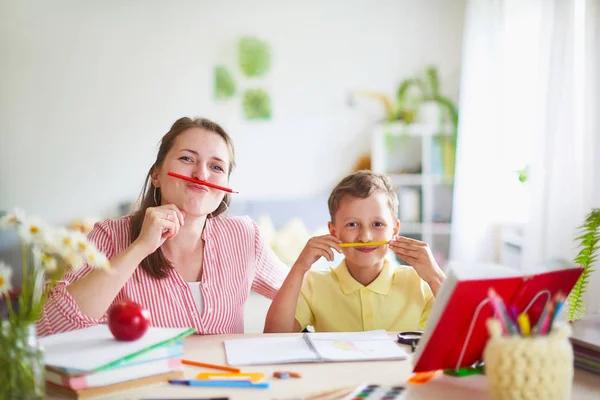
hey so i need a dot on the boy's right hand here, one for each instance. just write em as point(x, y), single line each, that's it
point(317, 247)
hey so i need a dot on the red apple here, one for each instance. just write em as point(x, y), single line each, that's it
point(128, 321)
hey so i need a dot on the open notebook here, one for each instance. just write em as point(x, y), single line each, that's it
point(314, 347)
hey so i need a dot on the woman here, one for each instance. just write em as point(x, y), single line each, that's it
point(176, 255)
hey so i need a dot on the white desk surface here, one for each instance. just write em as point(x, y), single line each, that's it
point(317, 377)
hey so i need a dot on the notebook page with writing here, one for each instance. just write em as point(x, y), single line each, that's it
point(269, 350)
point(95, 348)
point(355, 346)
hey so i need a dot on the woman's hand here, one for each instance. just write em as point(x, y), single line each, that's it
point(418, 254)
point(160, 224)
point(317, 247)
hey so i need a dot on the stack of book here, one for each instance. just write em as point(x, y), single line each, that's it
point(586, 343)
point(90, 362)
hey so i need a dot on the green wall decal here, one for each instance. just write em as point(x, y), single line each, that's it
point(257, 104)
point(224, 83)
point(254, 56)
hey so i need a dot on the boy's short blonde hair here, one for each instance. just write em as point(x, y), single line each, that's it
point(362, 184)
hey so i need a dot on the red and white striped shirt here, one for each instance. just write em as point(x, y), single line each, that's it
point(236, 260)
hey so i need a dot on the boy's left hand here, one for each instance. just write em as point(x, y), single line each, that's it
point(418, 254)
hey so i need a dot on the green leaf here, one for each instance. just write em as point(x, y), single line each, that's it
point(523, 173)
point(257, 104)
point(224, 83)
point(403, 92)
point(433, 81)
point(588, 244)
point(254, 56)
point(450, 108)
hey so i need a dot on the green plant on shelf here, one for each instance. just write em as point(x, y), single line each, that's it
point(413, 92)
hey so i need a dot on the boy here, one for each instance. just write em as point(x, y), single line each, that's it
point(365, 291)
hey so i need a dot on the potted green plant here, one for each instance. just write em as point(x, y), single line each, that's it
point(421, 95)
point(588, 244)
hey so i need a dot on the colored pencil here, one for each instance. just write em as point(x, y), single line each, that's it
point(234, 376)
point(514, 314)
point(205, 183)
point(541, 320)
point(512, 328)
point(213, 366)
point(366, 244)
point(523, 320)
point(560, 300)
point(497, 311)
point(545, 328)
point(215, 383)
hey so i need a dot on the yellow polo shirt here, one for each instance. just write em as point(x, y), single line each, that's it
point(333, 301)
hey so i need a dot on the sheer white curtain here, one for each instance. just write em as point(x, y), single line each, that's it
point(529, 96)
point(563, 165)
point(500, 99)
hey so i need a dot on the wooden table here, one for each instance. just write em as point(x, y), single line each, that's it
point(317, 377)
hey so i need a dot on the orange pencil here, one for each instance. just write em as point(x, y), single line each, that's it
point(213, 366)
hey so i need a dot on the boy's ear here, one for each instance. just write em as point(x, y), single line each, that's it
point(397, 227)
point(331, 229)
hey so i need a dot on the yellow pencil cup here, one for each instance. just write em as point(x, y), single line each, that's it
point(536, 367)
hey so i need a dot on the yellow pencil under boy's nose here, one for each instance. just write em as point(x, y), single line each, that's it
point(365, 244)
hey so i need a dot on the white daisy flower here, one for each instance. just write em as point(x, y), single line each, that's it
point(49, 241)
point(13, 218)
point(87, 224)
point(31, 230)
point(80, 242)
point(97, 259)
point(48, 262)
point(5, 278)
point(74, 261)
point(66, 239)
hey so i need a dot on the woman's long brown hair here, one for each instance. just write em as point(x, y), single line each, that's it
point(156, 264)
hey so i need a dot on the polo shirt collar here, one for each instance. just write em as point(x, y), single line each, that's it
point(380, 285)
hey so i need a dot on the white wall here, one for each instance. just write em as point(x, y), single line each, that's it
point(88, 89)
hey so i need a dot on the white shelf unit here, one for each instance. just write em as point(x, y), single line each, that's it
point(411, 157)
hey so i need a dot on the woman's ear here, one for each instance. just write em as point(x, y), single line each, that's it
point(397, 228)
point(154, 177)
